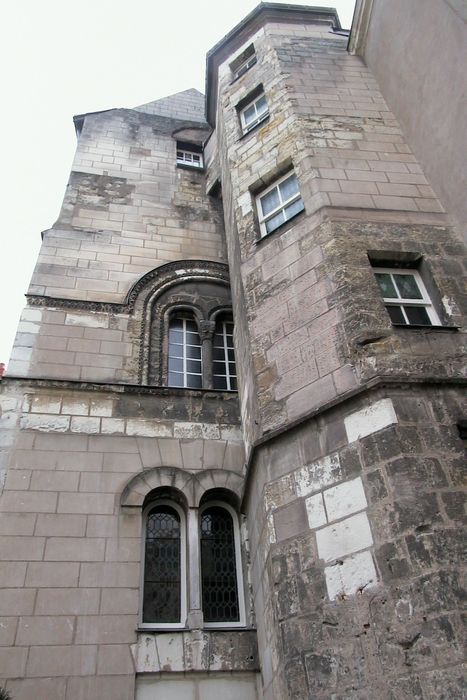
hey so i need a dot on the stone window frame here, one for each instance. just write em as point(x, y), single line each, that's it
point(425, 301)
point(238, 564)
point(246, 104)
point(282, 207)
point(206, 323)
point(191, 611)
point(246, 60)
point(189, 155)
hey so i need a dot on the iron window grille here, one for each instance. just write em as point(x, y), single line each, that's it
point(405, 297)
point(279, 203)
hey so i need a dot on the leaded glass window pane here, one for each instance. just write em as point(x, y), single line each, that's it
point(162, 573)
point(218, 566)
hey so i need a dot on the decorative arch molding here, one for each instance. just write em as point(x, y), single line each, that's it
point(191, 486)
point(156, 297)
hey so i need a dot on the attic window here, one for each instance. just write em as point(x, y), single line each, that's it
point(189, 155)
point(243, 62)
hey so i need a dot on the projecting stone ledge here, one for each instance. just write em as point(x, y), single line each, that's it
point(196, 650)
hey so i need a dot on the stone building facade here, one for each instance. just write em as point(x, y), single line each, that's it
point(289, 202)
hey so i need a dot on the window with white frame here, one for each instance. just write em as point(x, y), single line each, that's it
point(191, 158)
point(279, 203)
point(213, 568)
point(254, 113)
point(405, 297)
point(185, 367)
point(244, 62)
point(223, 367)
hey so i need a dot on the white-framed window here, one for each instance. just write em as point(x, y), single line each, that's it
point(243, 63)
point(405, 297)
point(190, 158)
point(164, 576)
point(184, 360)
point(224, 374)
point(278, 203)
point(223, 602)
point(196, 558)
point(253, 113)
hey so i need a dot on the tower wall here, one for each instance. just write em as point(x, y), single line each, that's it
point(346, 483)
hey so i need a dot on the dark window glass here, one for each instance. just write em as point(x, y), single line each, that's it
point(396, 315)
point(162, 578)
point(218, 568)
point(417, 315)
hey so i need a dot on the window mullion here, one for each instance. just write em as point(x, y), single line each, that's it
point(195, 613)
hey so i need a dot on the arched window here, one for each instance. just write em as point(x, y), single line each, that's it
point(223, 368)
point(164, 587)
point(185, 367)
point(219, 566)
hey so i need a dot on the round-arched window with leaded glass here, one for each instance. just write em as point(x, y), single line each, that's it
point(162, 566)
point(218, 566)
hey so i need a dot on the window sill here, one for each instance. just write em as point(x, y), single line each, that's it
point(417, 327)
point(283, 227)
point(239, 627)
point(254, 128)
point(191, 168)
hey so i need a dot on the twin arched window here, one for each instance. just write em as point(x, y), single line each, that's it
point(217, 566)
point(201, 360)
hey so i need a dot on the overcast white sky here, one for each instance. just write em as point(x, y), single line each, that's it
point(60, 59)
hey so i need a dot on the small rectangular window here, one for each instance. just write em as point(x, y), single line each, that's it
point(194, 160)
point(244, 62)
point(279, 203)
point(254, 112)
point(405, 297)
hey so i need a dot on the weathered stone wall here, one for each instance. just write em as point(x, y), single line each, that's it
point(81, 460)
point(348, 476)
point(307, 297)
point(356, 538)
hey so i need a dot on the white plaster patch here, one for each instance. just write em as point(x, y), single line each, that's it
point(348, 536)
point(113, 426)
point(170, 652)
point(315, 476)
point(356, 573)
point(449, 305)
point(245, 203)
point(147, 428)
point(45, 404)
point(45, 423)
point(145, 654)
point(84, 424)
point(87, 320)
point(75, 408)
point(271, 530)
point(34, 315)
point(101, 408)
point(315, 511)
point(369, 420)
point(28, 327)
point(345, 499)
